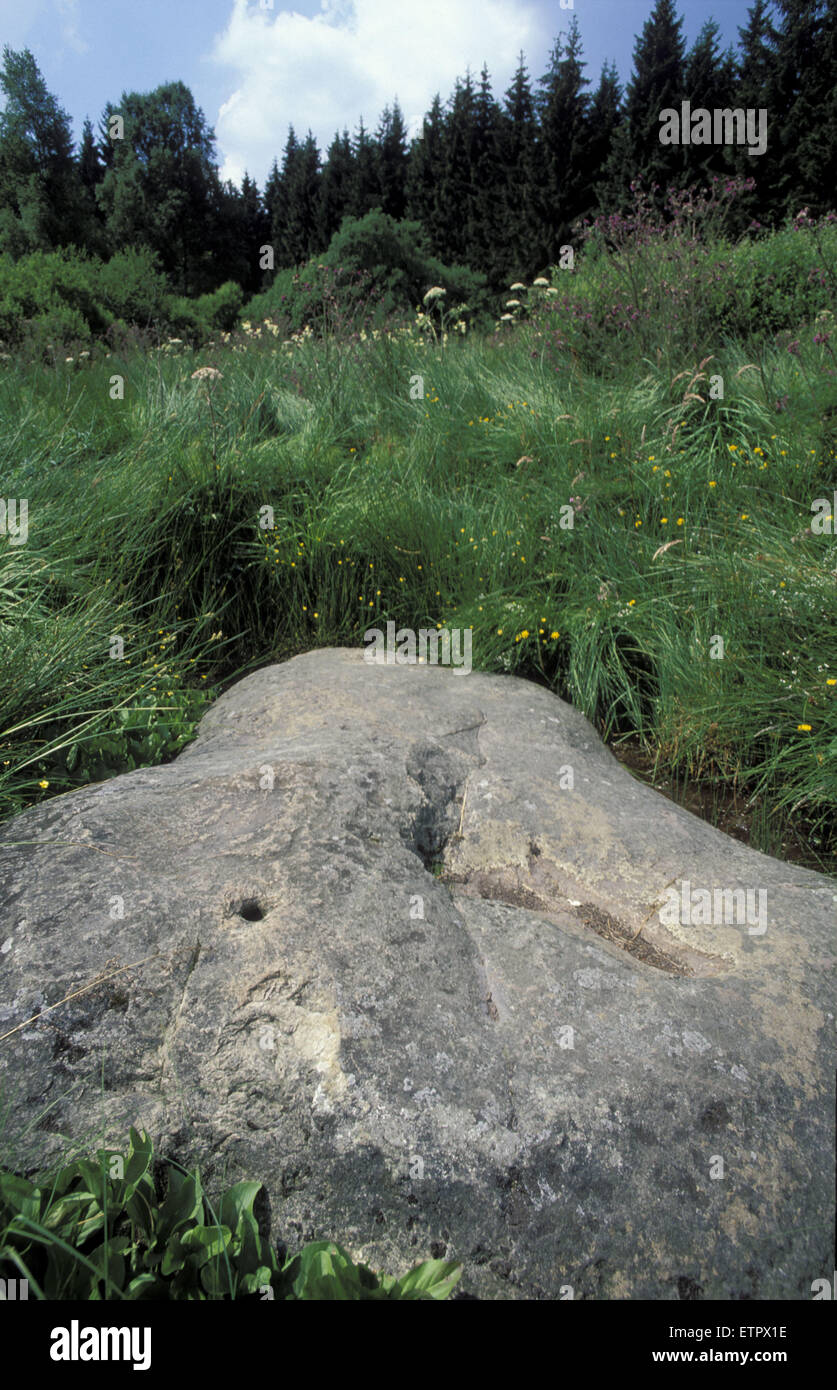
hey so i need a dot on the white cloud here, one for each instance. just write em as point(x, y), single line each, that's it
point(349, 61)
point(68, 10)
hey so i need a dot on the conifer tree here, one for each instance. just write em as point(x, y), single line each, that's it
point(656, 84)
point(91, 168)
point(270, 199)
point(283, 254)
point(458, 164)
point(228, 238)
point(393, 159)
point(753, 91)
point(295, 203)
point(485, 239)
point(336, 185)
point(254, 222)
point(271, 188)
point(41, 202)
point(604, 119)
point(564, 184)
point(366, 186)
point(757, 48)
point(424, 176)
point(91, 171)
point(802, 93)
point(709, 83)
point(519, 165)
point(306, 200)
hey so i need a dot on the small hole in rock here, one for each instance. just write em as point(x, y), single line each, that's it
point(250, 910)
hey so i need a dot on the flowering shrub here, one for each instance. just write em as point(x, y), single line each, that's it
point(655, 281)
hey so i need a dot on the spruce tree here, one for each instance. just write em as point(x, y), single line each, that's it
point(91, 168)
point(271, 188)
point(485, 251)
point(283, 252)
point(710, 83)
point(306, 200)
point(603, 122)
point(458, 190)
point(424, 176)
point(803, 106)
point(91, 171)
point(228, 237)
point(366, 185)
point(41, 195)
point(336, 186)
point(295, 203)
point(656, 84)
point(517, 194)
point(754, 91)
point(393, 159)
point(564, 186)
point(255, 233)
point(757, 54)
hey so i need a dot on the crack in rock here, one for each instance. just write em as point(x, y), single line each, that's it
point(504, 885)
point(172, 1027)
point(437, 817)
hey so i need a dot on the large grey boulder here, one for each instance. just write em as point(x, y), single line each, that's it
point(396, 951)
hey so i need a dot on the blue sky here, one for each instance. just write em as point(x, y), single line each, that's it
point(254, 70)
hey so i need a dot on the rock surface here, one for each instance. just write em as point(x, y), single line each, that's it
point(386, 959)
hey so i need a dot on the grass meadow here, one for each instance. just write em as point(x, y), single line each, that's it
point(618, 509)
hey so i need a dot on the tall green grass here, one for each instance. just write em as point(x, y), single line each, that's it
point(690, 523)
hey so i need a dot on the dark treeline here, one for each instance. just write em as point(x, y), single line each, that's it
point(496, 183)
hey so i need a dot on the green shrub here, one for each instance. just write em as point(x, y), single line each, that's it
point(49, 295)
point(375, 267)
point(59, 325)
point(132, 287)
point(219, 310)
point(316, 294)
point(780, 281)
point(67, 297)
point(182, 318)
point(197, 319)
point(99, 1229)
point(646, 283)
point(396, 257)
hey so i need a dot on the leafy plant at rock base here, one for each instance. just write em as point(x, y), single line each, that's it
point(145, 736)
point(97, 1230)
